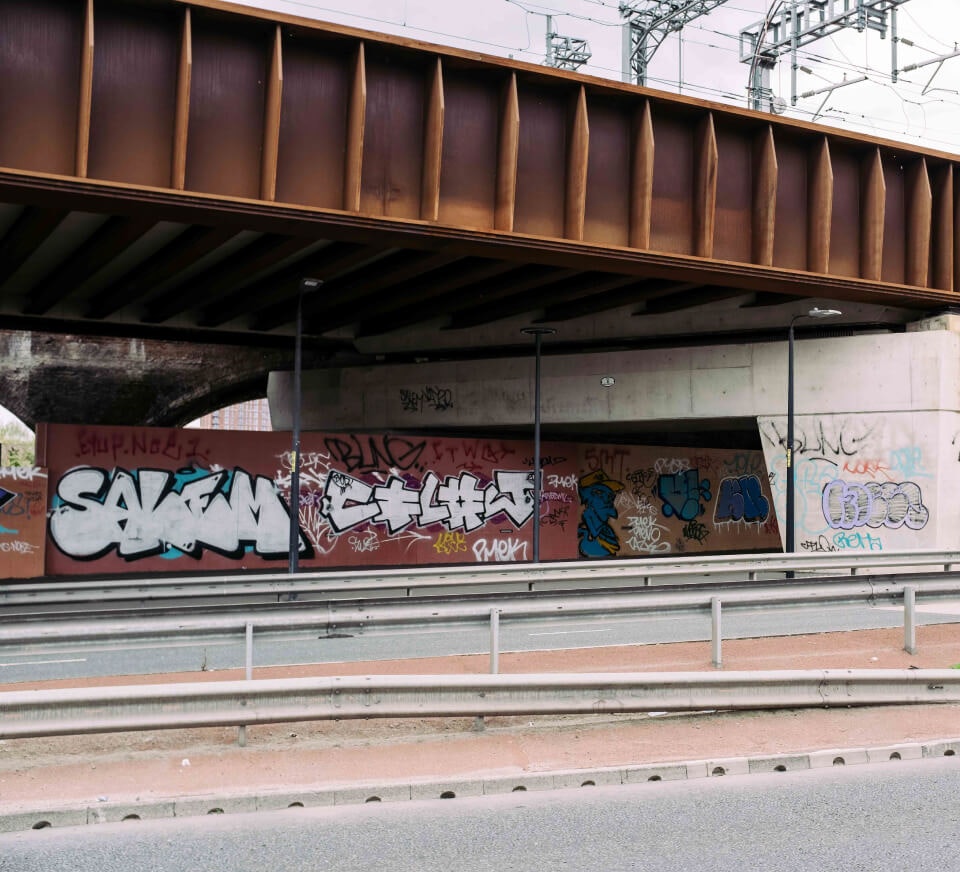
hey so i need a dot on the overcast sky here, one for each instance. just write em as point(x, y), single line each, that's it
point(704, 61)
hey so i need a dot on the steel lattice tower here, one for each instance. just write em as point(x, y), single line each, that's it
point(565, 52)
point(792, 24)
point(648, 23)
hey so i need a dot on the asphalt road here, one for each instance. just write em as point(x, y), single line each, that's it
point(882, 818)
point(87, 660)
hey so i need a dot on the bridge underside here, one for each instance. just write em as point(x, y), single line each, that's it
point(105, 380)
point(170, 171)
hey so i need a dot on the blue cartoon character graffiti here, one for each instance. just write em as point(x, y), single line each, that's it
point(598, 495)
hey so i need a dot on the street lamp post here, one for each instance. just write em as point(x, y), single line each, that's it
point(537, 333)
point(791, 473)
point(305, 287)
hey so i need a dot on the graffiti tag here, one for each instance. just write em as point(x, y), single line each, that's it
point(847, 505)
point(499, 550)
point(153, 511)
point(436, 398)
point(457, 502)
point(682, 492)
point(741, 499)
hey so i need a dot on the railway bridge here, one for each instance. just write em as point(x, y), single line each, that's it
point(171, 171)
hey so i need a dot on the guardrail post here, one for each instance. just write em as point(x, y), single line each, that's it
point(242, 730)
point(716, 634)
point(910, 619)
point(478, 721)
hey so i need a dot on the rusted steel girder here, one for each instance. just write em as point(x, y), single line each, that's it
point(204, 98)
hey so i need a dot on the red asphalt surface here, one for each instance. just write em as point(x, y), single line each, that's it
point(36, 773)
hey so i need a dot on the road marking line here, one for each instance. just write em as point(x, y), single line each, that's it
point(571, 632)
point(45, 662)
point(928, 608)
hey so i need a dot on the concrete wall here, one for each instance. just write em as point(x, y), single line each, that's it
point(670, 384)
point(868, 481)
point(918, 370)
point(875, 437)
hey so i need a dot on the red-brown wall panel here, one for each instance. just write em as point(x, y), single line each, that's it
point(134, 94)
point(227, 93)
point(672, 222)
point(894, 222)
point(313, 123)
point(393, 137)
point(607, 217)
point(136, 499)
point(542, 161)
point(845, 232)
point(790, 234)
point(23, 521)
point(734, 215)
point(468, 169)
point(40, 49)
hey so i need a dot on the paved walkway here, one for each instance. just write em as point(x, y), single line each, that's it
point(84, 779)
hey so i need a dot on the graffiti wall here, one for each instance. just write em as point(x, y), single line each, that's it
point(140, 499)
point(23, 502)
point(638, 501)
point(863, 482)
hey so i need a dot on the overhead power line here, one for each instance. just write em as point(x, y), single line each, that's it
point(915, 90)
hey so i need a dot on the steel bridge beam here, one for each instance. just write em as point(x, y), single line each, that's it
point(270, 136)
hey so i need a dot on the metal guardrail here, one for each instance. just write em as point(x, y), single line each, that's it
point(465, 609)
point(74, 711)
point(523, 576)
point(362, 615)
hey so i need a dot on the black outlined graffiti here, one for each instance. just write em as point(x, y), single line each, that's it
point(153, 511)
point(436, 398)
point(374, 453)
point(682, 492)
point(644, 481)
point(823, 438)
point(847, 505)
point(819, 545)
point(548, 460)
point(695, 531)
point(741, 499)
point(457, 502)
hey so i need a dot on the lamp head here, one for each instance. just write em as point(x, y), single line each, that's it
point(308, 285)
point(823, 313)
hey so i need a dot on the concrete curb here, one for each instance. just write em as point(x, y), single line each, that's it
point(43, 816)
